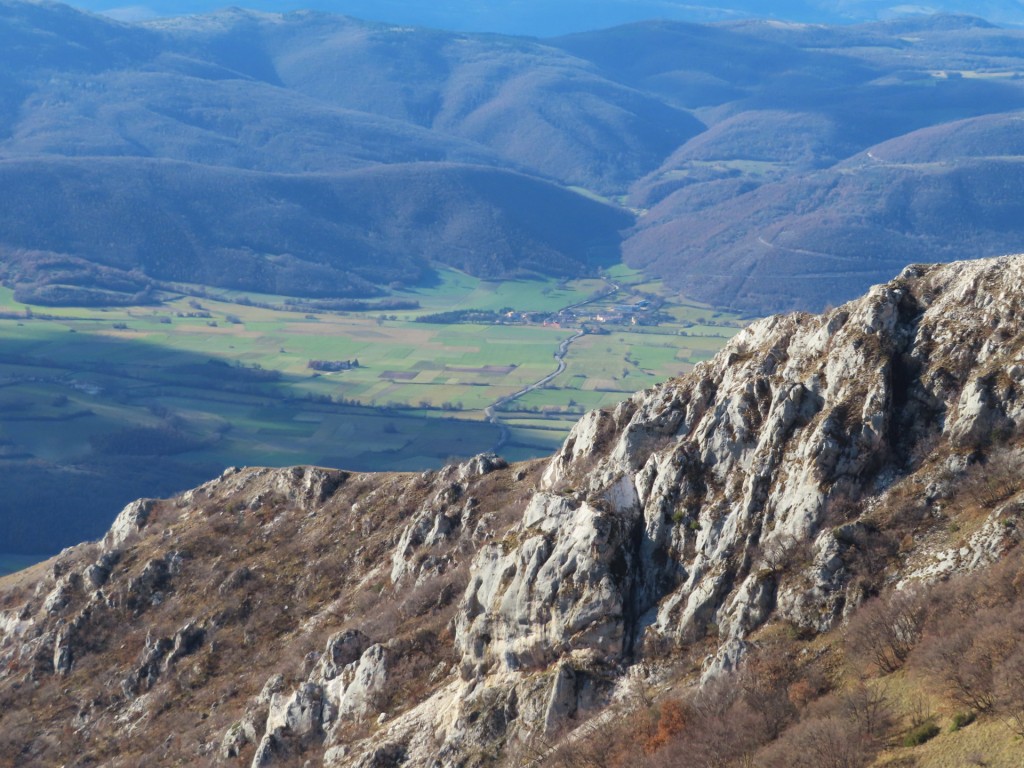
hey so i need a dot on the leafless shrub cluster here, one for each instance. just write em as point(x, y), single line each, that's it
point(787, 553)
point(994, 479)
point(963, 634)
point(772, 714)
point(727, 724)
point(885, 630)
point(972, 642)
point(844, 730)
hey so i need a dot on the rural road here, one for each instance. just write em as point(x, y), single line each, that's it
point(491, 411)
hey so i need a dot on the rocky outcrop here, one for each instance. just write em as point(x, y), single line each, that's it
point(666, 517)
point(290, 719)
point(556, 582)
point(130, 521)
point(251, 728)
point(346, 684)
point(449, 517)
point(441, 618)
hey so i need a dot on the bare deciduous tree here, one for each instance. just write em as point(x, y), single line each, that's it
point(884, 631)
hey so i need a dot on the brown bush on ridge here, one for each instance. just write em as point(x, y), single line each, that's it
point(971, 644)
point(885, 630)
point(1009, 691)
point(963, 664)
point(839, 731)
point(870, 709)
point(734, 716)
point(994, 480)
point(711, 742)
point(672, 719)
point(970, 658)
point(765, 683)
point(613, 743)
point(819, 742)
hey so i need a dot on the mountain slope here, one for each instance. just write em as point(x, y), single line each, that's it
point(312, 234)
point(451, 616)
point(533, 105)
point(807, 190)
point(99, 118)
point(792, 241)
point(537, 18)
point(217, 119)
point(740, 146)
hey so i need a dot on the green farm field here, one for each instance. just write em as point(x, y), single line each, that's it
point(101, 406)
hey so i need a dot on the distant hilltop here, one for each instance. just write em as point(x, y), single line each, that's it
point(533, 17)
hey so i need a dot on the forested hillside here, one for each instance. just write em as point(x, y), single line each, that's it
point(760, 165)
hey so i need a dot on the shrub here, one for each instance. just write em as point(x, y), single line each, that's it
point(819, 742)
point(1009, 691)
point(920, 734)
point(871, 711)
point(885, 630)
point(961, 720)
point(671, 720)
point(964, 659)
point(995, 480)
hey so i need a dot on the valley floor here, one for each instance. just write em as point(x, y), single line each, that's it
point(100, 406)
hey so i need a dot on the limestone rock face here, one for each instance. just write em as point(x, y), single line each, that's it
point(290, 717)
point(671, 515)
point(131, 520)
point(346, 684)
point(447, 516)
point(343, 648)
point(558, 581)
point(354, 693)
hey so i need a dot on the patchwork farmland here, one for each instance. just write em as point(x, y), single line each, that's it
point(90, 398)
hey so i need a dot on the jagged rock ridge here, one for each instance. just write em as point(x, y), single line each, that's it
point(444, 618)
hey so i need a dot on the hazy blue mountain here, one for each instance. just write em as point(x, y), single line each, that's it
point(236, 123)
point(537, 107)
point(779, 203)
point(793, 242)
point(534, 17)
point(699, 65)
point(319, 154)
point(225, 150)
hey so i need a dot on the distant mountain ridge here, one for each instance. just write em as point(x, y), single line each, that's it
point(324, 235)
point(534, 17)
point(746, 163)
point(181, 150)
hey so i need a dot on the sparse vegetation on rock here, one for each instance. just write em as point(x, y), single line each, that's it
point(845, 593)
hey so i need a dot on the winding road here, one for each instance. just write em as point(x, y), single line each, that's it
point(491, 411)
